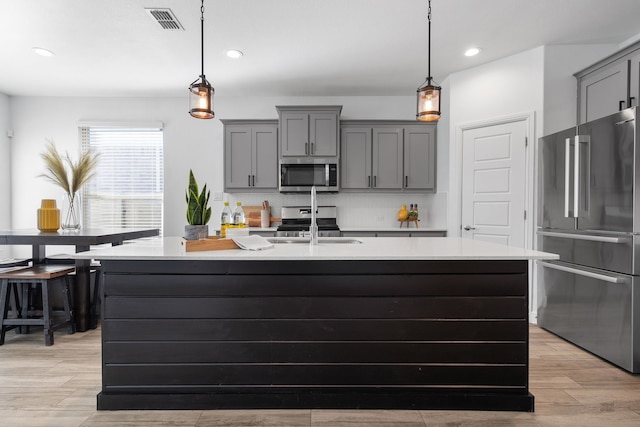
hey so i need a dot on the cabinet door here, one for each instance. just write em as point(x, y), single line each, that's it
point(604, 92)
point(355, 157)
point(265, 159)
point(237, 157)
point(387, 158)
point(295, 133)
point(420, 158)
point(634, 81)
point(323, 134)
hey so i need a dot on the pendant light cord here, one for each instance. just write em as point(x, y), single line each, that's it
point(428, 44)
point(202, 38)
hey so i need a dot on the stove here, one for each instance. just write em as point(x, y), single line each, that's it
point(296, 221)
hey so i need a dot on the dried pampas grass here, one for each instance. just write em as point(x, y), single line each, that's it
point(70, 180)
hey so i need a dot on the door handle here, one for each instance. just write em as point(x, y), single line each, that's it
point(469, 228)
point(567, 177)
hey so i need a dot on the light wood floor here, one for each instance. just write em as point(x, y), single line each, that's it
point(57, 386)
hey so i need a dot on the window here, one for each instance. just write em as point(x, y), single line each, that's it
point(128, 187)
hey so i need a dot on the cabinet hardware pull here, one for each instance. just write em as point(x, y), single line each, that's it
point(306, 148)
point(621, 105)
point(248, 180)
point(313, 148)
point(631, 99)
point(253, 180)
point(375, 181)
point(406, 180)
point(368, 181)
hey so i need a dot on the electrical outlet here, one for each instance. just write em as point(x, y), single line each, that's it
point(380, 218)
point(217, 196)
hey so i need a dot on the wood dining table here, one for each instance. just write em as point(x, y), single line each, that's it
point(82, 240)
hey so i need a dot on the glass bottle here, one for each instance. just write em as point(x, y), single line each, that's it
point(225, 219)
point(238, 216)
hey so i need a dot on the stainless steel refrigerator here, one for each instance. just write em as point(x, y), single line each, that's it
point(590, 216)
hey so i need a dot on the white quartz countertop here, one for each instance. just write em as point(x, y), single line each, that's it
point(371, 248)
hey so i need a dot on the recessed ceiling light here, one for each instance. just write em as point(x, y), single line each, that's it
point(42, 51)
point(234, 53)
point(472, 52)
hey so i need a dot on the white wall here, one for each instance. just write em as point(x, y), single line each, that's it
point(5, 170)
point(197, 144)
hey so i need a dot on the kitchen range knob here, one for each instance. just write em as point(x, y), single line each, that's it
point(468, 227)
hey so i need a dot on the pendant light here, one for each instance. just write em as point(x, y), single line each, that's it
point(200, 91)
point(428, 108)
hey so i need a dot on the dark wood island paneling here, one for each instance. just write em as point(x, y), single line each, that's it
point(213, 334)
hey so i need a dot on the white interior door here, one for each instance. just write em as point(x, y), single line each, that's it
point(494, 183)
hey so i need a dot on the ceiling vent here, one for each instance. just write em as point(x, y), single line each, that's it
point(165, 18)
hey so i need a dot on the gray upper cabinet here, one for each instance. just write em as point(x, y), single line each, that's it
point(634, 81)
point(419, 157)
point(388, 156)
point(609, 85)
point(355, 157)
point(309, 130)
point(250, 155)
point(604, 92)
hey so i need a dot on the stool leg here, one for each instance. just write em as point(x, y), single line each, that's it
point(4, 307)
point(47, 315)
point(25, 306)
point(68, 305)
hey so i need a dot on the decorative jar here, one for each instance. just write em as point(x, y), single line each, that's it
point(48, 216)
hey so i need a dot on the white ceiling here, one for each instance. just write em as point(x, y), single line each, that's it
point(292, 47)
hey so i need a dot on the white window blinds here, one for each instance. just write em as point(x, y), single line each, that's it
point(127, 190)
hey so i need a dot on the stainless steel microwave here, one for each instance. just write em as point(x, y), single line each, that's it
point(300, 174)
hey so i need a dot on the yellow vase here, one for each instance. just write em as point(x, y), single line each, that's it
point(403, 213)
point(48, 216)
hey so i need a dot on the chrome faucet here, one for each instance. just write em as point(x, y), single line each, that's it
point(313, 228)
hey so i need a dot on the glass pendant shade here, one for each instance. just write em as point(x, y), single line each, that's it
point(428, 109)
point(201, 99)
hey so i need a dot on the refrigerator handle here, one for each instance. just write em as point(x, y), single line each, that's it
point(592, 275)
point(582, 180)
point(568, 213)
point(590, 237)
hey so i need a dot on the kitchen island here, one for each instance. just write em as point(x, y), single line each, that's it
point(415, 323)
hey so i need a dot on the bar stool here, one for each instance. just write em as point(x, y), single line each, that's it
point(44, 276)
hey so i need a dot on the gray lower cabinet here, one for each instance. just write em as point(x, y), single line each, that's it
point(250, 155)
point(387, 156)
point(404, 233)
point(309, 130)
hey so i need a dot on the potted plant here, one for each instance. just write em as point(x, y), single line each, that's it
point(70, 176)
point(198, 211)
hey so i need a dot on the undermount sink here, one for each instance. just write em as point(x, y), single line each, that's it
point(321, 240)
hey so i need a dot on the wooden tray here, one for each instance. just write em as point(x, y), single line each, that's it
point(211, 243)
